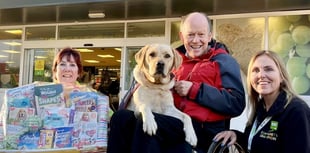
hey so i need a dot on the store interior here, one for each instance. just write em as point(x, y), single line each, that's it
point(101, 68)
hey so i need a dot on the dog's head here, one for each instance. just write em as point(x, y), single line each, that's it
point(21, 115)
point(156, 61)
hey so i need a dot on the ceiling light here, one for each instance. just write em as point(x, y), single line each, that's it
point(96, 14)
point(11, 51)
point(91, 61)
point(84, 50)
point(12, 43)
point(3, 56)
point(9, 62)
point(118, 49)
point(40, 57)
point(106, 56)
point(15, 32)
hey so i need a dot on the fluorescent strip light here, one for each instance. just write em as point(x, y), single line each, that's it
point(9, 62)
point(96, 15)
point(15, 32)
point(11, 51)
point(84, 50)
point(13, 43)
point(118, 49)
point(91, 61)
point(40, 57)
point(106, 56)
point(3, 56)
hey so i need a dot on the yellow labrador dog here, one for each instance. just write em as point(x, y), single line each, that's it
point(153, 74)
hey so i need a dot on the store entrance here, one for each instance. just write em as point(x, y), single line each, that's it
point(101, 70)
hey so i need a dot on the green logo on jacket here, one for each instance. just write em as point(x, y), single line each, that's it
point(274, 125)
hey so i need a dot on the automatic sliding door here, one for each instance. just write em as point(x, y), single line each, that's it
point(130, 63)
point(38, 65)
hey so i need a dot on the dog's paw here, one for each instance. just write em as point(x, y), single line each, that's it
point(150, 126)
point(190, 136)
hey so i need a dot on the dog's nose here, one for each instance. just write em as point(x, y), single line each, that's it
point(160, 67)
point(160, 64)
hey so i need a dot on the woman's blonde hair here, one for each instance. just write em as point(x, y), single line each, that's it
point(285, 85)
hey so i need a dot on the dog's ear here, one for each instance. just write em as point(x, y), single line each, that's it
point(177, 59)
point(139, 56)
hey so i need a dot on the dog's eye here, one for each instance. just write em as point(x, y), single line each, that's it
point(167, 56)
point(152, 54)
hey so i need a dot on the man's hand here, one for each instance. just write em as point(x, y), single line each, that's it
point(182, 87)
point(229, 137)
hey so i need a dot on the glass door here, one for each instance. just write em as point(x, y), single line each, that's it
point(101, 66)
point(102, 71)
point(130, 63)
point(38, 65)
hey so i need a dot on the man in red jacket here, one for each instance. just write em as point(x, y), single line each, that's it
point(208, 88)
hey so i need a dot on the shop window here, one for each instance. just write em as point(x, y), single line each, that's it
point(174, 38)
point(10, 52)
point(146, 29)
point(130, 63)
point(91, 31)
point(242, 36)
point(289, 36)
point(40, 33)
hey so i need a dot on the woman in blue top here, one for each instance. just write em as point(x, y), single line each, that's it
point(280, 120)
